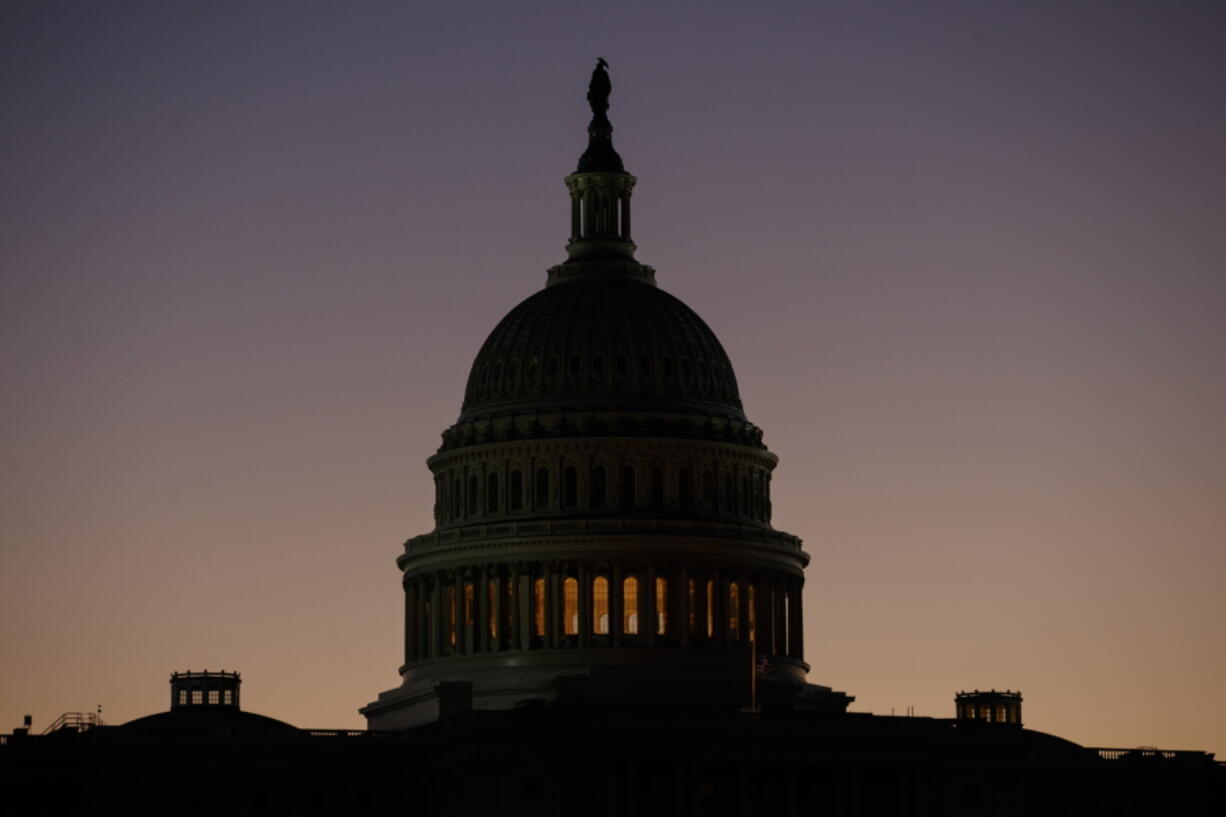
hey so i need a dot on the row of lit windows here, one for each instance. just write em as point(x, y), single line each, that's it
point(998, 713)
point(197, 696)
point(459, 499)
point(460, 612)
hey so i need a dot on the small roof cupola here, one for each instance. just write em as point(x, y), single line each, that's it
point(600, 188)
point(204, 688)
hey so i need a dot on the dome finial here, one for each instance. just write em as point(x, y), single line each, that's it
point(600, 157)
point(598, 90)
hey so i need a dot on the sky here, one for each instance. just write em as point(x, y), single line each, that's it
point(967, 259)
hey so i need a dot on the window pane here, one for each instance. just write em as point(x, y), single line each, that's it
point(630, 606)
point(600, 605)
point(570, 606)
point(710, 608)
point(661, 606)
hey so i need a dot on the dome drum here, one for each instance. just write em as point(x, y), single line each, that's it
point(603, 477)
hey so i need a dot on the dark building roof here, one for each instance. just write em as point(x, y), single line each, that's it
point(210, 721)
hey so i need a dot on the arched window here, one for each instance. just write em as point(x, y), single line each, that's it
point(570, 488)
point(473, 486)
point(516, 499)
point(456, 498)
point(600, 487)
point(685, 490)
point(600, 605)
point(570, 606)
point(657, 488)
point(734, 611)
point(542, 488)
point(661, 606)
point(630, 605)
point(710, 608)
point(708, 491)
point(491, 493)
point(538, 606)
point(628, 488)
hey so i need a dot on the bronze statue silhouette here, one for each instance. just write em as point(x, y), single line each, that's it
point(598, 89)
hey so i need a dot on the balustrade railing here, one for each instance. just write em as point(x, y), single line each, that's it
point(568, 527)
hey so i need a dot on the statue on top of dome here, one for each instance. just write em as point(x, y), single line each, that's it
point(598, 89)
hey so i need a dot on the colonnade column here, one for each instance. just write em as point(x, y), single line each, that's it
point(585, 605)
point(617, 601)
point(652, 619)
point(682, 607)
point(410, 622)
point(798, 619)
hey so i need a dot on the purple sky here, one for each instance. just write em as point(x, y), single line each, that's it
point(967, 258)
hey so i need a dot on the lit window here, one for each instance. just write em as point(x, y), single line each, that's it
point(214, 697)
point(630, 606)
point(197, 696)
point(538, 605)
point(710, 608)
point(570, 606)
point(468, 605)
point(661, 606)
point(182, 697)
point(228, 698)
point(600, 605)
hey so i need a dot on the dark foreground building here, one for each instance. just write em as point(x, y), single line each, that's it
point(603, 620)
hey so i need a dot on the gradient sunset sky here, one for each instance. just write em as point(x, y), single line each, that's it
point(968, 259)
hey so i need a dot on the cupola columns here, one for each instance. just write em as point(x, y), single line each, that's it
point(600, 187)
point(600, 214)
